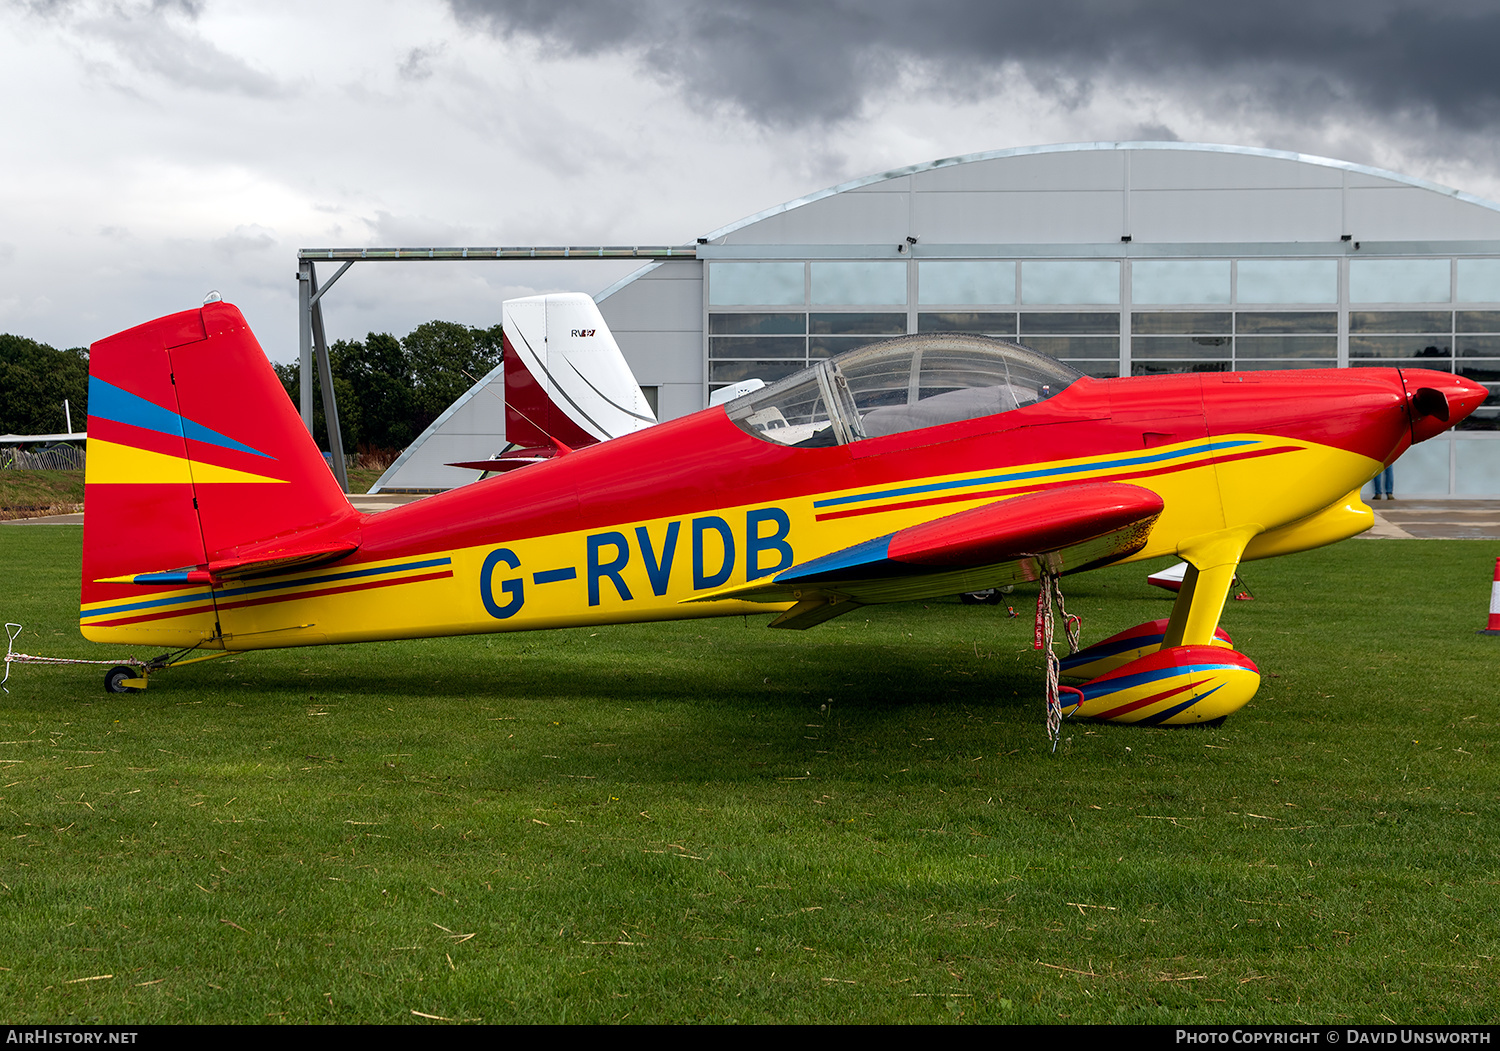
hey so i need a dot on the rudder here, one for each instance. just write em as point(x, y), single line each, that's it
point(198, 469)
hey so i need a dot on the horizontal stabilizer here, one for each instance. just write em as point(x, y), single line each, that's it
point(511, 459)
point(1169, 578)
point(290, 557)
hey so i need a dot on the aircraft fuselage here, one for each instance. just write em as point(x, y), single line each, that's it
point(631, 529)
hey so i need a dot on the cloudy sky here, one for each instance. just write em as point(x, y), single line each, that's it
point(156, 150)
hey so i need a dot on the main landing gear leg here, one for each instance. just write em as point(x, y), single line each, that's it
point(1189, 680)
point(1212, 560)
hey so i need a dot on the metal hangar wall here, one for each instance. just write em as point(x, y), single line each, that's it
point(1121, 259)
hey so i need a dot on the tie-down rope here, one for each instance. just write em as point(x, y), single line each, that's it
point(12, 657)
point(1050, 593)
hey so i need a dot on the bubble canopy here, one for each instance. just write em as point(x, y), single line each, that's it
point(899, 385)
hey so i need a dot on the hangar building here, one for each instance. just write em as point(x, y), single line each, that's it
point(1120, 259)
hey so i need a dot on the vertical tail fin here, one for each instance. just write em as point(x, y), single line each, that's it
point(198, 468)
point(565, 378)
point(565, 385)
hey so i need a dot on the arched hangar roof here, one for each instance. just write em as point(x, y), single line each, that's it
point(1149, 191)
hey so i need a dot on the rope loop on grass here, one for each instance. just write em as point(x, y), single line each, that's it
point(12, 657)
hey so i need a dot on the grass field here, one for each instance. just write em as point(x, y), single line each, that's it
point(713, 822)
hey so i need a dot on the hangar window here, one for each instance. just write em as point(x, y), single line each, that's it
point(833, 333)
point(1285, 322)
point(1399, 281)
point(981, 282)
point(1180, 323)
point(1088, 341)
point(1069, 323)
point(1479, 320)
point(1181, 341)
point(1402, 334)
point(1478, 280)
point(1143, 367)
point(1267, 339)
point(1287, 281)
point(1090, 355)
point(757, 324)
point(859, 283)
point(899, 385)
point(1162, 281)
point(769, 345)
point(983, 323)
point(1186, 348)
point(1218, 341)
point(1477, 349)
point(1272, 349)
point(1093, 281)
point(756, 284)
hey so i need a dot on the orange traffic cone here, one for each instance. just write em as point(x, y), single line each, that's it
point(1494, 625)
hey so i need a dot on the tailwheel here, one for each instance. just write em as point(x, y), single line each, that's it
point(124, 679)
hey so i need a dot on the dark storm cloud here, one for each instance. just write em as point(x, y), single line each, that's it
point(790, 63)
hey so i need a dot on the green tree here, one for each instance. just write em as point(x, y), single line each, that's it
point(350, 413)
point(34, 380)
point(389, 390)
point(380, 378)
point(446, 359)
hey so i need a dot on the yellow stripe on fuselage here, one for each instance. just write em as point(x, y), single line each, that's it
point(645, 569)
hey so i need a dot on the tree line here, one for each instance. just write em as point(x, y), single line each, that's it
point(34, 381)
point(389, 390)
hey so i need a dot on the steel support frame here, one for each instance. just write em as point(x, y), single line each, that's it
point(313, 341)
point(313, 344)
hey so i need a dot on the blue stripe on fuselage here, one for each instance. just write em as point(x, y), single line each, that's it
point(1040, 472)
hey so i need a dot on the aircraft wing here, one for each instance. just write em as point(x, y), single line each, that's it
point(1060, 530)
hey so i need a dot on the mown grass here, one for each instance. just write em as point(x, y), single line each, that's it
point(709, 821)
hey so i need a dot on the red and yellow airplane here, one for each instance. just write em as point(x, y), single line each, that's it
point(916, 468)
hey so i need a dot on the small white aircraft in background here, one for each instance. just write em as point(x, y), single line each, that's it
point(566, 383)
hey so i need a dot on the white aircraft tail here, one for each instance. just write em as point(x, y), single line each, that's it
point(565, 378)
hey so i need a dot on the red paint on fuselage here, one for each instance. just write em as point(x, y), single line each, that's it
point(704, 461)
